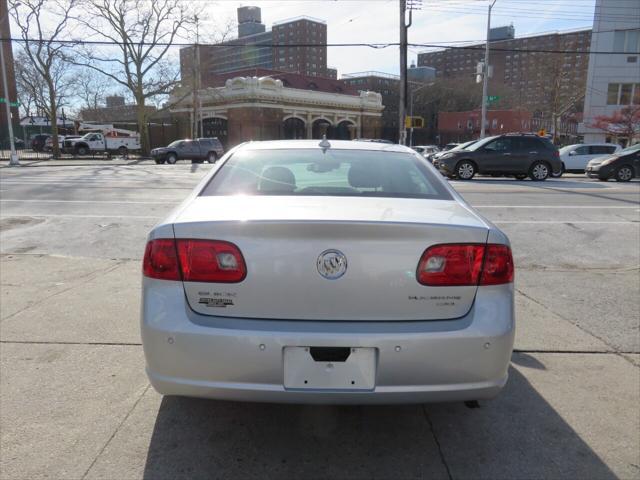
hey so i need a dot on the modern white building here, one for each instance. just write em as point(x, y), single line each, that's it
point(613, 80)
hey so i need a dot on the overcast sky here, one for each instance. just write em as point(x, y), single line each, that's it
point(376, 21)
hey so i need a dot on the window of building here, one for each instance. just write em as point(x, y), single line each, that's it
point(612, 93)
point(626, 40)
point(625, 93)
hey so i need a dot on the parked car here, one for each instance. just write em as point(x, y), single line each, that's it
point(198, 150)
point(576, 157)
point(622, 165)
point(18, 143)
point(48, 144)
point(433, 158)
point(520, 155)
point(327, 272)
point(426, 150)
point(449, 146)
point(375, 140)
point(38, 141)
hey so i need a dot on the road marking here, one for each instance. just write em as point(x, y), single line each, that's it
point(117, 202)
point(70, 215)
point(554, 206)
point(629, 222)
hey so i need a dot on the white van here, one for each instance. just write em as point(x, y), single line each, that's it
point(575, 157)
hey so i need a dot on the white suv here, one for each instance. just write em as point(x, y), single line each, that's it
point(575, 157)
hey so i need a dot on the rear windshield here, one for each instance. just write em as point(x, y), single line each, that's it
point(357, 173)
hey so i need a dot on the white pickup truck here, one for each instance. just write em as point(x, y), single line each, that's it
point(109, 142)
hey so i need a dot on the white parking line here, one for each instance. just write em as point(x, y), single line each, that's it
point(69, 215)
point(557, 206)
point(116, 202)
point(576, 222)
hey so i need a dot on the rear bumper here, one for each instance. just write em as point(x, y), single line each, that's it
point(241, 359)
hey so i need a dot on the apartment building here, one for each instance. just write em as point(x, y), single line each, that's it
point(613, 80)
point(257, 47)
point(388, 86)
point(553, 77)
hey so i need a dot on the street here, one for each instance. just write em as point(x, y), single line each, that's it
point(76, 403)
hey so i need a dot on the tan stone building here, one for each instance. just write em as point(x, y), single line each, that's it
point(263, 108)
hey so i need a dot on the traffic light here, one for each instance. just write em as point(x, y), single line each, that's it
point(414, 122)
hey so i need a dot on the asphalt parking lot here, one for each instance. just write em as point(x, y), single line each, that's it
point(75, 401)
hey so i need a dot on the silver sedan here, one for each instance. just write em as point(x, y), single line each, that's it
point(327, 272)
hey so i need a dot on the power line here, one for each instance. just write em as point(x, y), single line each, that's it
point(290, 45)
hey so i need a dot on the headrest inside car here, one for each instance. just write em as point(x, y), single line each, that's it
point(277, 179)
point(362, 175)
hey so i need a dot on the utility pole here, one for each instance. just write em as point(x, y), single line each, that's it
point(405, 5)
point(13, 159)
point(402, 106)
point(485, 76)
point(196, 83)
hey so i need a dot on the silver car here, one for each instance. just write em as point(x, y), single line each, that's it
point(327, 272)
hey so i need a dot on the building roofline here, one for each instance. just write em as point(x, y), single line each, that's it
point(369, 73)
point(520, 37)
point(298, 18)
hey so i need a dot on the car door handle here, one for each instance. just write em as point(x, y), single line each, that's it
point(533, 152)
point(507, 153)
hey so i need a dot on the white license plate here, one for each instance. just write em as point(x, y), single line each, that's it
point(357, 372)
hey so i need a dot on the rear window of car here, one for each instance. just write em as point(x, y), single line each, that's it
point(601, 149)
point(312, 172)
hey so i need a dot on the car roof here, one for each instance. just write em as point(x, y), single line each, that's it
point(334, 144)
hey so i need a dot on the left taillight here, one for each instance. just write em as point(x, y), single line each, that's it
point(161, 260)
point(194, 260)
point(210, 261)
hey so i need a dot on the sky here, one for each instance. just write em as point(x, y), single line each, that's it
point(376, 21)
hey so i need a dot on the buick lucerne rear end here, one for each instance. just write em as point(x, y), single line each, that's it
point(327, 272)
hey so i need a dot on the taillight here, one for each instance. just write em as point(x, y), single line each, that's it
point(193, 261)
point(498, 265)
point(160, 260)
point(451, 265)
point(465, 264)
point(210, 261)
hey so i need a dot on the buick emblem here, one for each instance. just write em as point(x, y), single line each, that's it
point(332, 264)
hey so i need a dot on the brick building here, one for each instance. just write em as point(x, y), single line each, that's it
point(537, 81)
point(388, 86)
point(254, 48)
point(464, 126)
point(266, 108)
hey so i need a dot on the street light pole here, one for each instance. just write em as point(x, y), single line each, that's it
point(485, 76)
point(13, 159)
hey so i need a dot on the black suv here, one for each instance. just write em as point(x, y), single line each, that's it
point(198, 150)
point(518, 155)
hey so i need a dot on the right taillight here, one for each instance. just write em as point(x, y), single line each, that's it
point(498, 265)
point(465, 265)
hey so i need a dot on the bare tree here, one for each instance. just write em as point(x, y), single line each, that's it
point(33, 89)
point(43, 50)
point(143, 33)
point(90, 89)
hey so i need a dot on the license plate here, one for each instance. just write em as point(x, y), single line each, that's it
point(357, 372)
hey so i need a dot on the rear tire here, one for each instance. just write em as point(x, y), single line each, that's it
point(212, 157)
point(624, 173)
point(122, 151)
point(172, 159)
point(465, 170)
point(539, 171)
point(560, 173)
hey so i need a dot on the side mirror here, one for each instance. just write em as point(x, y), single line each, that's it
point(572, 153)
